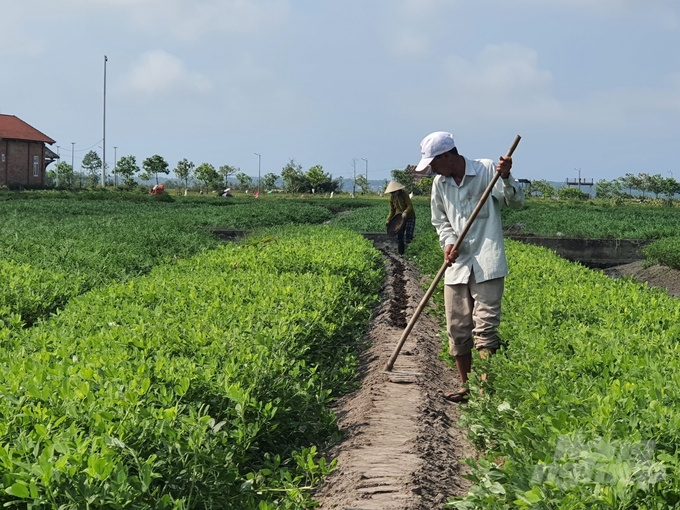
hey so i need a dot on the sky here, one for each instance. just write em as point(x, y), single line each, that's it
point(592, 86)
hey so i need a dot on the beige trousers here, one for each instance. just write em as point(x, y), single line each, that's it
point(473, 310)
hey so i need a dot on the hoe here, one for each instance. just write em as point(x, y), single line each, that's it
point(442, 270)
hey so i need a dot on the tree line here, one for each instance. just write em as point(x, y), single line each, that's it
point(626, 187)
point(293, 178)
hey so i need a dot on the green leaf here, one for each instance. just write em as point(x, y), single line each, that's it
point(18, 489)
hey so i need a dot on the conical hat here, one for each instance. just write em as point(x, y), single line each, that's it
point(393, 186)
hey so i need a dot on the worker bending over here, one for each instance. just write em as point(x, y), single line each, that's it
point(475, 277)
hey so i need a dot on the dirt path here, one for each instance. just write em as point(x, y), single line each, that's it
point(655, 276)
point(401, 449)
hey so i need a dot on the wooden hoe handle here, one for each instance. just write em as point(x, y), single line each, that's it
point(442, 270)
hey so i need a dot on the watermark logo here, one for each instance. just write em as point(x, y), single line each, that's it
point(606, 463)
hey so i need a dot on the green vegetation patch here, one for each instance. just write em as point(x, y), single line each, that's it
point(582, 407)
point(204, 384)
point(593, 220)
point(74, 245)
point(664, 251)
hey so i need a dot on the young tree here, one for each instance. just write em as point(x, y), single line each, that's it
point(316, 176)
point(363, 183)
point(630, 181)
point(244, 181)
point(225, 171)
point(406, 177)
point(544, 188)
point(269, 181)
point(604, 188)
point(424, 186)
point(319, 181)
point(183, 171)
point(293, 177)
point(656, 184)
point(671, 187)
point(92, 164)
point(153, 166)
point(207, 174)
point(63, 174)
point(127, 168)
point(644, 183)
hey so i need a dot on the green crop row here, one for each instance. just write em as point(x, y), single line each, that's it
point(593, 219)
point(204, 384)
point(582, 406)
point(73, 245)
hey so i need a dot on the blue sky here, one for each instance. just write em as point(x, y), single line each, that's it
point(589, 84)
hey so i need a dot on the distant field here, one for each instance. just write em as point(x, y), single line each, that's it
point(594, 219)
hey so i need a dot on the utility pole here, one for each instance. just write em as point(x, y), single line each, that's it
point(366, 171)
point(56, 173)
point(115, 168)
point(354, 181)
point(258, 172)
point(104, 130)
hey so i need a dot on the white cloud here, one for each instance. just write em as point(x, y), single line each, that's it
point(158, 71)
point(503, 82)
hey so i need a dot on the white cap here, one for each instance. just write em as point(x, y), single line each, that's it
point(433, 145)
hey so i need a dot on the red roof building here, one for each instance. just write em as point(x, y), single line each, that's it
point(23, 153)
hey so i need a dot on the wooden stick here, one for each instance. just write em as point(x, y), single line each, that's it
point(442, 270)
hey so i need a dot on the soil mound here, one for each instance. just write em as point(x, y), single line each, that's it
point(655, 276)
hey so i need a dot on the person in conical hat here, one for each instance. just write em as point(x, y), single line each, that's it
point(400, 203)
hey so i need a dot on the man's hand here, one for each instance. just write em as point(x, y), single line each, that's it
point(450, 255)
point(503, 167)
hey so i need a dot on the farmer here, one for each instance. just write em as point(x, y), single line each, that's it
point(474, 279)
point(400, 203)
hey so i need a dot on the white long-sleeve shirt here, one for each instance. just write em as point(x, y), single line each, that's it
point(482, 249)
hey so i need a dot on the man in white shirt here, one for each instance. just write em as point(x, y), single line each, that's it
point(474, 279)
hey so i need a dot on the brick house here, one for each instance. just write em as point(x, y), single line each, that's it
point(23, 153)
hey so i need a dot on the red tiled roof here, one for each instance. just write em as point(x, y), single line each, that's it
point(14, 128)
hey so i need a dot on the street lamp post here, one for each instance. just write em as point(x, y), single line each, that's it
point(104, 130)
point(579, 177)
point(56, 173)
point(258, 172)
point(366, 170)
point(354, 181)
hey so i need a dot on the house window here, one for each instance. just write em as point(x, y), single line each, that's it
point(36, 166)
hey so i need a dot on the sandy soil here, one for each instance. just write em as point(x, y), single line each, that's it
point(401, 448)
point(655, 276)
